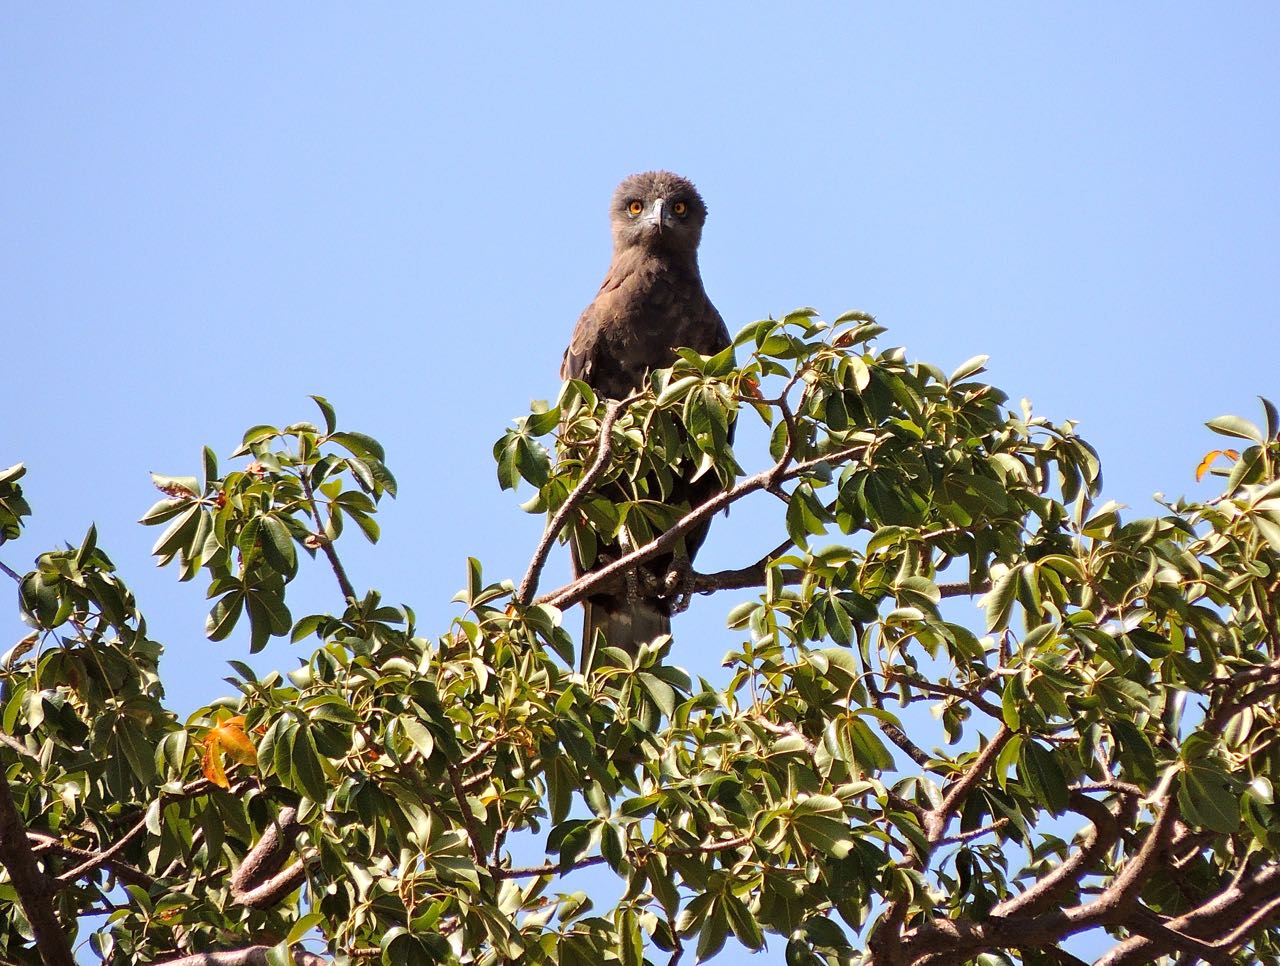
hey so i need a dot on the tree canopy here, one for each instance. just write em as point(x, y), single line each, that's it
point(1099, 757)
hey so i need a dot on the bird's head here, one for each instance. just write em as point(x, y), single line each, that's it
point(657, 210)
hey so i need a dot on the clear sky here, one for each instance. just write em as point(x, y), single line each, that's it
point(208, 213)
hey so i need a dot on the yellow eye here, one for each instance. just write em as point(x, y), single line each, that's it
point(635, 208)
point(680, 208)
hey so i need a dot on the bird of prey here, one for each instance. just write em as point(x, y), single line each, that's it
point(650, 303)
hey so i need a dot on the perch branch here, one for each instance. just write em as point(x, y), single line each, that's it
point(590, 582)
point(604, 450)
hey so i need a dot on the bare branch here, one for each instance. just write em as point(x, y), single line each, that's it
point(547, 868)
point(104, 857)
point(1107, 826)
point(750, 576)
point(604, 450)
point(18, 747)
point(41, 842)
point(279, 886)
point(551, 868)
point(963, 589)
point(468, 819)
point(975, 834)
point(973, 697)
point(255, 882)
point(1219, 925)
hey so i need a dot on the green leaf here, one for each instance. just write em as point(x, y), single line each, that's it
point(222, 619)
point(1011, 699)
point(330, 417)
point(1273, 418)
point(970, 367)
point(310, 921)
point(819, 822)
point(714, 931)
point(1207, 798)
point(677, 390)
point(742, 922)
point(1000, 599)
point(1039, 769)
point(1237, 427)
point(178, 535)
point(418, 733)
point(868, 750)
point(305, 771)
point(277, 546)
point(358, 444)
point(1137, 758)
point(1268, 527)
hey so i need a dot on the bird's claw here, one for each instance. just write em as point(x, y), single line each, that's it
point(678, 584)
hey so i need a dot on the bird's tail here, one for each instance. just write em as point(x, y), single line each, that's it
point(625, 625)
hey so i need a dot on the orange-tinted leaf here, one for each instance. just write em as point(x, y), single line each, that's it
point(1212, 455)
point(230, 737)
point(751, 386)
point(211, 765)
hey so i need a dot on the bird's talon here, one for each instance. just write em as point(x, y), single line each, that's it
point(678, 584)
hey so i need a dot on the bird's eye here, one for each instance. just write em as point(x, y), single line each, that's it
point(680, 208)
point(635, 207)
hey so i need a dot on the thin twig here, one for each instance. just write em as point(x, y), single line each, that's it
point(344, 583)
point(124, 872)
point(18, 746)
point(469, 820)
point(604, 450)
point(548, 868)
point(969, 836)
point(103, 857)
point(938, 688)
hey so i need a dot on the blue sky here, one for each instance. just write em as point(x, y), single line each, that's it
point(209, 213)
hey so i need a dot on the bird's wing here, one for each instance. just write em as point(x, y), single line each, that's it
point(581, 348)
point(585, 342)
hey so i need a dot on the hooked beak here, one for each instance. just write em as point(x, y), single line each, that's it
point(655, 217)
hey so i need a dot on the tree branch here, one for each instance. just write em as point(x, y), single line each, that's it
point(18, 747)
point(255, 882)
point(591, 582)
point(104, 857)
point(604, 450)
point(935, 823)
point(344, 583)
point(42, 842)
point(1107, 829)
point(275, 889)
point(30, 883)
point(249, 956)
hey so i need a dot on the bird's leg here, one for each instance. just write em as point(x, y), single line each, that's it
point(632, 581)
point(678, 582)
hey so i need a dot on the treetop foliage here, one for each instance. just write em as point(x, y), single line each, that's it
point(1101, 754)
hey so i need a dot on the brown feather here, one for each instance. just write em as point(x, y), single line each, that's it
point(651, 302)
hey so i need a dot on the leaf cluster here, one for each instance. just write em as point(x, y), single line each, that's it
point(1120, 676)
